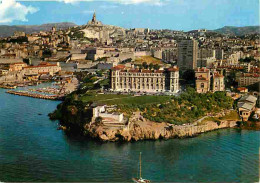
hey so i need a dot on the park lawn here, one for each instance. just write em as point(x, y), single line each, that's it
point(127, 100)
point(233, 115)
point(94, 97)
point(148, 60)
point(141, 100)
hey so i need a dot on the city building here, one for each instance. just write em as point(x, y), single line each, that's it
point(202, 80)
point(218, 82)
point(206, 53)
point(42, 68)
point(246, 105)
point(17, 66)
point(142, 80)
point(169, 54)
point(219, 54)
point(247, 79)
point(187, 54)
point(107, 118)
point(206, 62)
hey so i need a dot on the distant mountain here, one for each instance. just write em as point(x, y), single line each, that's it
point(6, 30)
point(238, 31)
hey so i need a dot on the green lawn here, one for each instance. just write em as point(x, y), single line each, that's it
point(233, 115)
point(101, 97)
point(114, 99)
point(187, 107)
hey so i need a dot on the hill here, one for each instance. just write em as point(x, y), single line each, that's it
point(6, 30)
point(238, 31)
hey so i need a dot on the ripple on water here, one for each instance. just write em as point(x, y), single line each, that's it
point(31, 149)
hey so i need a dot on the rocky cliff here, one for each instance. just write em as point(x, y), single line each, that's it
point(147, 130)
point(76, 117)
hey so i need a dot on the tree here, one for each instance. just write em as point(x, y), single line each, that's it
point(156, 67)
point(230, 80)
point(247, 59)
point(99, 73)
point(189, 76)
point(151, 66)
point(47, 53)
point(98, 120)
point(145, 65)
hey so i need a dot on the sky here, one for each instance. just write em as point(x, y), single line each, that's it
point(154, 14)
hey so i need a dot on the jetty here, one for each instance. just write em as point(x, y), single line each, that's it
point(7, 87)
point(35, 95)
point(48, 90)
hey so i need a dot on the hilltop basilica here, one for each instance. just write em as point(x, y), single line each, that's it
point(94, 29)
point(94, 21)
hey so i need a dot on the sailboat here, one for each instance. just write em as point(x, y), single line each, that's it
point(140, 179)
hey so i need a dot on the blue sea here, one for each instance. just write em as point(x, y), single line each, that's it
point(33, 150)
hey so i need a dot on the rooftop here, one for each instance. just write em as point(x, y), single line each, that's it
point(122, 68)
point(245, 105)
point(249, 98)
point(203, 69)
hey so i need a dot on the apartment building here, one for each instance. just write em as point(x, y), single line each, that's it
point(187, 54)
point(247, 79)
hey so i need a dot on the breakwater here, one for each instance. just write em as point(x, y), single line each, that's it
point(7, 87)
point(35, 95)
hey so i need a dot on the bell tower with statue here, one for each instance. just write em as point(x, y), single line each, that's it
point(94, 17)
point(94, 21)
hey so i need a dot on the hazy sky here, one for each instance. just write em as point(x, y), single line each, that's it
point(158, 14)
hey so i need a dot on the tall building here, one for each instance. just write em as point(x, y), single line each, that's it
point(142, 80)
point(187, 54)
point(219, 54)
point(169, 54)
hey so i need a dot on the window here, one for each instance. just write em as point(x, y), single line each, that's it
point(202, 85)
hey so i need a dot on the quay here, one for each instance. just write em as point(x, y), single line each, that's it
point(35, 95)
point(14, 85)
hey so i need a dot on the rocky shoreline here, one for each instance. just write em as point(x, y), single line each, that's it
point(77, 117)
point(148, 130)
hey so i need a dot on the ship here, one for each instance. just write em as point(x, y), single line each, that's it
point(140, 179)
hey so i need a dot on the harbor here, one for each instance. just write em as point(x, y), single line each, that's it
point(14, 85)
point(43, 90)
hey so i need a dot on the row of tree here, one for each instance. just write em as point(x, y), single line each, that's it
point(150, 66)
